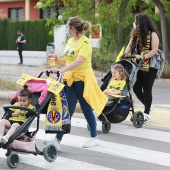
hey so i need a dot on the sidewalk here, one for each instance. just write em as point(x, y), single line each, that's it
point(160, 115)
point(36, 58)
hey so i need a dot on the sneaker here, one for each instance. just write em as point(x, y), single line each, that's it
point(146, 118)
point(91, 142)
point(54, 142)
point(20, 63)
point(4, 139)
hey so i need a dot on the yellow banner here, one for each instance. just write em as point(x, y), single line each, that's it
point(24, 78)
point(53, 85)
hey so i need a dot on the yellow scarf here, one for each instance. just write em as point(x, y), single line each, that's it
point(92, 93)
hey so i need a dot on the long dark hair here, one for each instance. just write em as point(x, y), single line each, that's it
point(144, 24)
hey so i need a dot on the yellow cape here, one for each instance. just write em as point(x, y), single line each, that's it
point(92, 92)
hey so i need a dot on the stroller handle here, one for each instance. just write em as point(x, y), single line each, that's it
point(130, 56)
point(49, 72)
point(44, 71)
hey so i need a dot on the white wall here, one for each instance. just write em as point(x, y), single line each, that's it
point(60, 39)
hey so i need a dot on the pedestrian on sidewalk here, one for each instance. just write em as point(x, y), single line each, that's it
point(21, 40)
point(144, 45)
point(79, 78)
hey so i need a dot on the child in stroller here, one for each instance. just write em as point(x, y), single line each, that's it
point(23, 139)
point(117, 110)
point(118, 81)
point(18, 117)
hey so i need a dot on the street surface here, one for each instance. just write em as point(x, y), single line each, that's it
point(125, 147)
point(161, 88)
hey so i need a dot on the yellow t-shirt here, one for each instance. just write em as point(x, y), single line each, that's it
point(22, 115)
point(116, 85)
point(80, 47)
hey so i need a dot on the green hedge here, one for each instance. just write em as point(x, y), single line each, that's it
point(37, 34)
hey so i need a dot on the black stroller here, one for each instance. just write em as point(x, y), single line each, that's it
point(23, 140)
point(118, 109)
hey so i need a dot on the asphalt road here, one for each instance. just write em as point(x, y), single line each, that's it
point(125, 147)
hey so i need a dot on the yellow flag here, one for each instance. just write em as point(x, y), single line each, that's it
point(120, 53)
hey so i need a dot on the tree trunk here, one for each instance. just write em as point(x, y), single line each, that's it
point(164, 30)
point(122, 14)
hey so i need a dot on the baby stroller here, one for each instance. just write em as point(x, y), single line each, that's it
point(23, 140)
point(118, 109)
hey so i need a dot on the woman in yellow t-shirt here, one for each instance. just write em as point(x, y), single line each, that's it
point(18, 117)
point(79, 78)
point(119, 76)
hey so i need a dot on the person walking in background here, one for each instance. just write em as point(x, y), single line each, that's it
point(21, 40)
point(144, 45)
point(79, 79)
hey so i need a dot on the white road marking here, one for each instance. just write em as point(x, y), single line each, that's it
point(121, 150)
point(125, 130)
point(59, 164)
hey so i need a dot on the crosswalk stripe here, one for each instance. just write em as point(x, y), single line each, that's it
point(113, 149)
point(124, 130)
point(60, 163)
point(109, 148)
point(125, 151)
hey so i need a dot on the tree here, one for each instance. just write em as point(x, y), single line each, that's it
point(160, 6)
point(116, 18)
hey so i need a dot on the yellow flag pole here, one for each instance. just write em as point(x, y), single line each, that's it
point(120, 53)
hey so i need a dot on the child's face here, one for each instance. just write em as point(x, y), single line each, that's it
point(116, 74)
point(24, 101)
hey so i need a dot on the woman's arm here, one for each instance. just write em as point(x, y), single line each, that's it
point(154, 45)
point(57, 59)
point(73, 65)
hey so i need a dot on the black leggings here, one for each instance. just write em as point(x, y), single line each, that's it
point(143, 87)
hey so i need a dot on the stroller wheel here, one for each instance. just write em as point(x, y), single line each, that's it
point(138, 119)
point(106, 127)
point(50, 152)
point(13, 160)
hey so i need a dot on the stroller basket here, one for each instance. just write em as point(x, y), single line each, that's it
point(117, 111)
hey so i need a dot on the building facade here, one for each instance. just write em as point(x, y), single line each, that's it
point(24, 10)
